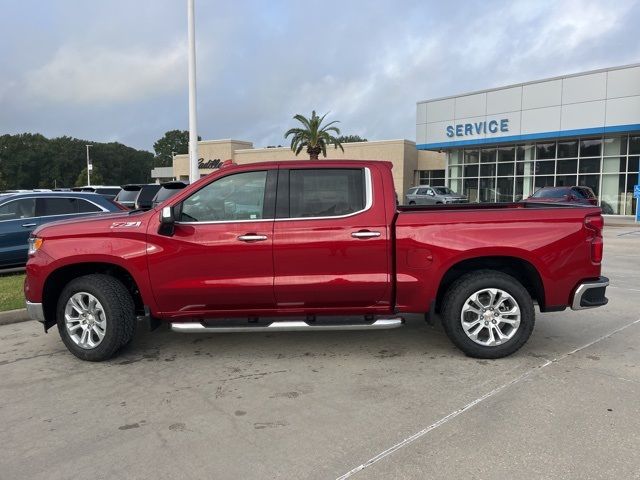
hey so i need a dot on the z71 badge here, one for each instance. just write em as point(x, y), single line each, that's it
point(125, 224)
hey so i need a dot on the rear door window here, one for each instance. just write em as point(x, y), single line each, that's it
point(56, 206)
point(326, 192)
point(17, 209)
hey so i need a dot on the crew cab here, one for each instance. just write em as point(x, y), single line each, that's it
point(313, 245)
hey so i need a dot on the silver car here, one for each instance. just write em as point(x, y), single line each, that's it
point(426, 195)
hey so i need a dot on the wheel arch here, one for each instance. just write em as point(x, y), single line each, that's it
point(59, 278)
point(522, 270)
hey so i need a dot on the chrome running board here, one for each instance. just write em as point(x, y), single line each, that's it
point(286, 326)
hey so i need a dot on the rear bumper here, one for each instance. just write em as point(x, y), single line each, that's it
point(590, 294)
point(35, 311)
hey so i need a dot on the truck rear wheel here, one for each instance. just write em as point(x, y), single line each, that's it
point(488, 314)
point(95, 316)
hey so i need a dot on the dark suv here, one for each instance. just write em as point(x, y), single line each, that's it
point(564, 194)
point(21, 213)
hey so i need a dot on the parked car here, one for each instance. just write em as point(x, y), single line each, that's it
point(128, 194)
point(427, 195)
point(323, 241)
point(21, 213)
point(168, 190)
point(583, 195)
point(108, 191)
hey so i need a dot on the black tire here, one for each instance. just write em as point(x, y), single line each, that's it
point(119, 311)
point(412, 203)
point(438, 203)
point(467, 285)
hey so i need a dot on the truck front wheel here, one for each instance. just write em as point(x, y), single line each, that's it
point(488, 314)
point(95, 316)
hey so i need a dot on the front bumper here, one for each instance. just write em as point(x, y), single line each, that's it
point(35, 311)
point(590, 294)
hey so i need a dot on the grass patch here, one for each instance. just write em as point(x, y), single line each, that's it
point(11, 294)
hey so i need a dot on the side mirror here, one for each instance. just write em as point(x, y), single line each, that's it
point(167, 221)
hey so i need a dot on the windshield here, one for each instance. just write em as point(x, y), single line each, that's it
point(165, 193)
point(127, 195)
point(443, 191)
point(550, 193)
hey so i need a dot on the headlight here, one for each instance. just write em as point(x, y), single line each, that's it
point(34, 244)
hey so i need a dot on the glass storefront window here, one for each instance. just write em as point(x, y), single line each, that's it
point(504, 190)
point(612, 197)
point(487, 189)
point(589, 165)
point(546, 181)
point(545, 150)
point(591, 181)
point(471, 189)
point(488, 170)
point(505, 169)
point(471, 156)
point(567, 166)
point(566, 181)
point(525, 168)
point(488, 155)
point(504, 173)
point(546, 167)
point(613, 164)
point(614, 146)
point(455, 156)
point(524, 152)
point(524, 188)
point(455, 184)
point(590, 148)
point(568, 149)
point(471, 171)
point(506, 154)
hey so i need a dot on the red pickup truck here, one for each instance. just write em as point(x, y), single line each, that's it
point(313, 245)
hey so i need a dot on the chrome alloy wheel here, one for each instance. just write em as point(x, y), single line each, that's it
point(85, 320)
point(490, 317)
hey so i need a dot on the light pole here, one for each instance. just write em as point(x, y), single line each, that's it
point(89, 166)
point(193, 116)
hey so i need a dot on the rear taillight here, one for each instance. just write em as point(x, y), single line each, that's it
point(595, 224)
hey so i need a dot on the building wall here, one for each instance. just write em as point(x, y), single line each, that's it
point(599, 102)
point(401, 153)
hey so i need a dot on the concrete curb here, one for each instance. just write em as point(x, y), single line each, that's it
point(14, 316)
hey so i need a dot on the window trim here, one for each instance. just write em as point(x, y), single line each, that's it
point(368, 189)
point(36, 198)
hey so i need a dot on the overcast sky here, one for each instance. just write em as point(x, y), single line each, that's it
point(116, 70)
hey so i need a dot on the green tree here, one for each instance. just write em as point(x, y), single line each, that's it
point(33, 161)
point(173, 142)
point(351, 138)
point(96, 178)
point(314, 136)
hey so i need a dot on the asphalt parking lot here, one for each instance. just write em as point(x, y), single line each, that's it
point(389, 404)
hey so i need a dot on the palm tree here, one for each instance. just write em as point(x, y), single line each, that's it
point(314, 136)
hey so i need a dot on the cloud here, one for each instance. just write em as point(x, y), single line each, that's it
point(99, 75)
point(84, 69)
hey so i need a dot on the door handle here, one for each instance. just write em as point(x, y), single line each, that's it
point(252, 237)
point(365, 234)
point(28, 225)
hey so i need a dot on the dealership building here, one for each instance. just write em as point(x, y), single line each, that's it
point(502, 144)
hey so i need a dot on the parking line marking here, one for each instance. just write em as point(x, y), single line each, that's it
point(475, 402)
